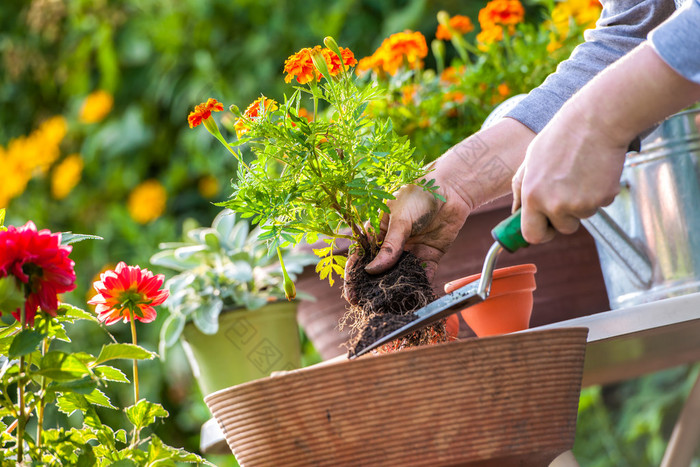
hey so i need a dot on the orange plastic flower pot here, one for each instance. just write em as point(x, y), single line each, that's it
point(509, 305)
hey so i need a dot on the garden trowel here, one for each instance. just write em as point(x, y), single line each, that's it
point(508, 237)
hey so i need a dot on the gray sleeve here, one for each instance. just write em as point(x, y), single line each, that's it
point(677, 41)
point(622, 26)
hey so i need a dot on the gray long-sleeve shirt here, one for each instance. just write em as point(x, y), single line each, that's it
point(623, 25)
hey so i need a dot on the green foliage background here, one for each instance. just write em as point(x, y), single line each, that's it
point(161, 57)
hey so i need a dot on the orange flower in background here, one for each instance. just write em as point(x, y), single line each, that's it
point(208, 186)
point(403, 48)
point(147, 201)
point(203, 111)
point(452, 74)
point(408, 93)
point(502, 13)
point(489, 36)
point(258, 108)
point(127, 293)
point(461, 24)
point(503, 90)
point(96, 106)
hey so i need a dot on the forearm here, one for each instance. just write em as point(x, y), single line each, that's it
point(624, 101)
point(481, 167)
point(623, 25)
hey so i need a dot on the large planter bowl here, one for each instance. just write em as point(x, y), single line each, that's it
point(506, 400)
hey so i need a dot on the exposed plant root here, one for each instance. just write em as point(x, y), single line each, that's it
point(380, 304)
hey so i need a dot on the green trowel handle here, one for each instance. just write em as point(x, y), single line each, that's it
point(508, 233)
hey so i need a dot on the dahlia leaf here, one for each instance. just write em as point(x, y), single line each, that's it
point(69, 237)
point(62, 366)
point(160, 453)
point(97, 397)
point(84, 385)
point(144, 413)
point(123, 351)
point(109, 373)
point(25, 343)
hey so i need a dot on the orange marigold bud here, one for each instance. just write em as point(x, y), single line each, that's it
point(203, 111)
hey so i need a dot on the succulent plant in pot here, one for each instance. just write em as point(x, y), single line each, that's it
point(227, 302)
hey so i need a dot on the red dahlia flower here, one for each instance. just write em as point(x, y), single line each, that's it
point(39, 261)
point(125, 291)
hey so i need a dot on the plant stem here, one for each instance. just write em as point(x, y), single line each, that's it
point(136, 366)
point(21, 420)
point(42, 400)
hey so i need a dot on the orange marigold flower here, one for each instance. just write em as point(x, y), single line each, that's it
point(203, 111)
point(408, 93)
point(300, 66)
point(460, 23)
point(489, 36)
point(333, 61)
point(257, 109)
point(452, 74)
point(403, 48)
point(503, 90)
point(127, 293)
point(501, 13)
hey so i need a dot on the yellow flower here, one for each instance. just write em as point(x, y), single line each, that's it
point(96, 106)
point(208, 186)
point(66, 176)
point(13, 178)
point(147, 201)
point(585, 13)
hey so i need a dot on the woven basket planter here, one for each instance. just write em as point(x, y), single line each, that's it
point(502, 400)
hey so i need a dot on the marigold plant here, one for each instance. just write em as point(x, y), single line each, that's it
point(322, 178)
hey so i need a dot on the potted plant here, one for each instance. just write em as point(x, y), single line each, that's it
point(227, 303)
point(323, 177)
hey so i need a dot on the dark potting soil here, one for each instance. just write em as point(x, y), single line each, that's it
point(383, 303)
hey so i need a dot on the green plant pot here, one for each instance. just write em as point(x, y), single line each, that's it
point(249, 345)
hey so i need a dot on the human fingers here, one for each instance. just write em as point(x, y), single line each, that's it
point(517, 187)
point(535, 225)
point(398, 230)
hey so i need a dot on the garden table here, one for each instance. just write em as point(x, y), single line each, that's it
point(622, 344)
point(629, 342)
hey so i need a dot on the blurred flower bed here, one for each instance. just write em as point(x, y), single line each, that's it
point(93, 137)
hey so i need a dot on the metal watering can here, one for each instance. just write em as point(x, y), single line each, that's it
point(648, 239)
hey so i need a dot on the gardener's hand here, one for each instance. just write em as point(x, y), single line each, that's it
point(475, 171)
point(574, 165)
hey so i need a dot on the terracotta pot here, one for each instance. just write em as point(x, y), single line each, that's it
point(503, 401)
point(508, 306)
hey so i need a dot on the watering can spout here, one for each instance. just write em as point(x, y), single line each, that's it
point(621, 247)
